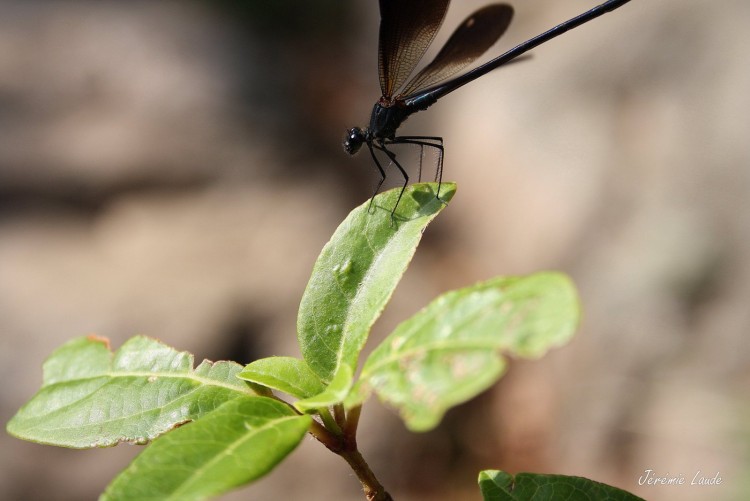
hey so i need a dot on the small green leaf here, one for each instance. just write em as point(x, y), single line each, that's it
point(91, 397)
point(288, 374)
point(235, 444)
point(333, 394)
point(500, 486)
point(495, 485)
point(357, 271)
point(448, 352)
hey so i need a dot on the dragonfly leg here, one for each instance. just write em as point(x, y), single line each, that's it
point(392, 156)
point(432, 142)
point(421, 158)
point(382, 178)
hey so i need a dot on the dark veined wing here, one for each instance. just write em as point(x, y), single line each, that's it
point(470, 40)
point(407, 28)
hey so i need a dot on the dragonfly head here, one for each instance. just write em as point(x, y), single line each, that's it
point(355, 138)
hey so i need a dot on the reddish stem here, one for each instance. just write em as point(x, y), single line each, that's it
point(344, 444)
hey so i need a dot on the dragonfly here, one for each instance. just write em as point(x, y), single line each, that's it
point(407, 29)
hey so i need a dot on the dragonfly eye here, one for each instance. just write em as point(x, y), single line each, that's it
point(354, 139)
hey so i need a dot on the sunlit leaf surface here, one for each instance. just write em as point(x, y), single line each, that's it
point(450, 351)
point(290, 375)
point(357, 271)
point(91, 397)
point(235, 444)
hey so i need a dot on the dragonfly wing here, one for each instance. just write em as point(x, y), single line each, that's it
point(470, 40)
point(407, 28)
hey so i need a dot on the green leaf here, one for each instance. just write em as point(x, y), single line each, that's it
point(91, 397)
point(495, 485)
point(333, 394)
point(235, 444)
point(500, 486)
point(356, 273)
point(448, 352)
point(288, 374)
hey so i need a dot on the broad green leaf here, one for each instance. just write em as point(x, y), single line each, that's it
point(91, 397)
point(288, 374)
point(450, 351)
point(500, 486)
point(333, 394)
point(235, 444)
point(357, 271)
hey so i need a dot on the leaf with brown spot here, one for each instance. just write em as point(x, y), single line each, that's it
point(451, 351)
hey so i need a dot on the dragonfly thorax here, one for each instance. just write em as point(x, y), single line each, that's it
point(386, 118)
point(384, 122)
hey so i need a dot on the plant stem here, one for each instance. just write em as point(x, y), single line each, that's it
point(339, 415)
point(339, 435)
point(325, 437)
point(374, 490)
point(330, 422)
point(352, 421)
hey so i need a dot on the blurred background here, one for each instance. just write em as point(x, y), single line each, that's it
point(173, 169)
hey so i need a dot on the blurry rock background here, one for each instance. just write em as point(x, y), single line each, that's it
point(173, 169)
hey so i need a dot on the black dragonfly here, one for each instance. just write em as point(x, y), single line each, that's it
point(407, 28)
